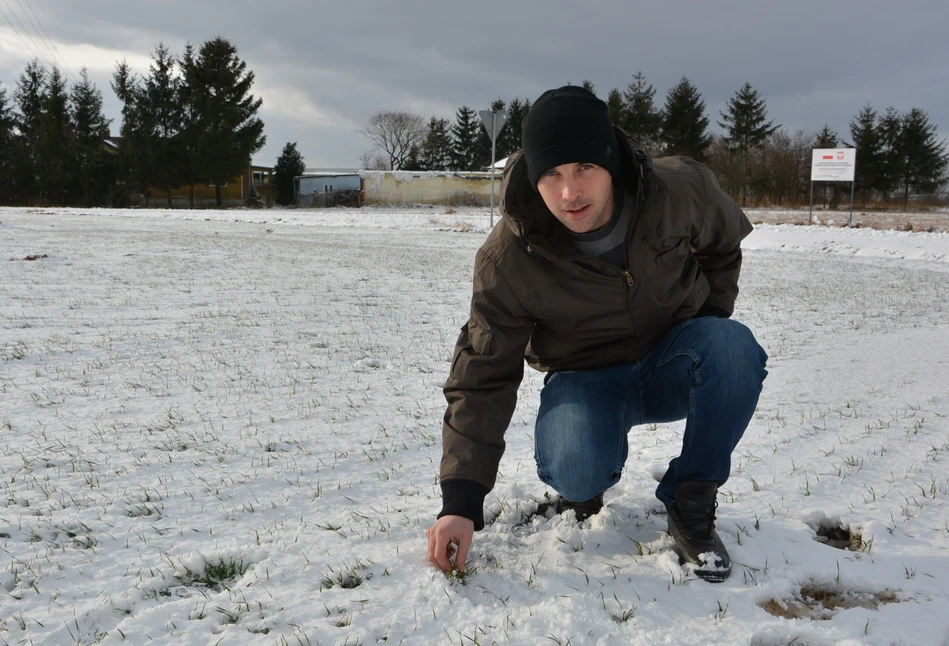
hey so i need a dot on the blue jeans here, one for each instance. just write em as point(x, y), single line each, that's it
point(708, 371)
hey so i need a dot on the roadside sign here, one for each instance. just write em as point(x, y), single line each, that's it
point(833, 164)
point(493, 122)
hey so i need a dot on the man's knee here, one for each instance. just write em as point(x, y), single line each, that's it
point(731, 345)
point(579, 485)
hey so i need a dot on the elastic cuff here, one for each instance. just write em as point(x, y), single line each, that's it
point(464, 498)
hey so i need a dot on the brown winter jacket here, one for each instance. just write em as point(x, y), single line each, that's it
point(537, 298)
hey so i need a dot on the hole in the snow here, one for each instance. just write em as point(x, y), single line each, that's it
point(816, 602)
point(843, 538)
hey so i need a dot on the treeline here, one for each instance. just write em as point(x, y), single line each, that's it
point(190, 120)
point(757, 162)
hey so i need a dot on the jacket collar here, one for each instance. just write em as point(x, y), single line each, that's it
point(523, 210)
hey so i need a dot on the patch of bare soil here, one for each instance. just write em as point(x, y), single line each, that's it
point(822, 603)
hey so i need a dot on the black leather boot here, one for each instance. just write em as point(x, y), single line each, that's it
point(583, 509)
point(692, 526)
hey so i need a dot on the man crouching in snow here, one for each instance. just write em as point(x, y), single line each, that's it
point(616, 275)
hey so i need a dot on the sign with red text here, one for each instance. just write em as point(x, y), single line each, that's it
point(833, 164)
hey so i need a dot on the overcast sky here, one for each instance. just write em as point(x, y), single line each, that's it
point(323, 68)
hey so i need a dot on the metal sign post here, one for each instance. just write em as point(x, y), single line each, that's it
point(493, 122)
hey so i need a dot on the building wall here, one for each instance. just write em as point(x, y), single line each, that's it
point(406, 187)
point(234, 192)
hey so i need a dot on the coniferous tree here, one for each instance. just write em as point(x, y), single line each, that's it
point(684, 124)
point(464, 134)
point(290, 164)
point(746, 121)
point(55, 143)
point(28, 101)
point(827, 138)
point(435, 151)
point(483, 147)
point(90, 168)
point(9, 148)
point(890, 155)
point(162, 100)
point(924, 158)
point(413, 161)
point(616, 107)
point(509, 141)
point(643, 120)
point(226, 127)
point(190, 172)
point(866, 139)
point(136, 163)
point(587, 84)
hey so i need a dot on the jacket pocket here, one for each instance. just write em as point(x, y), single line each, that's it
point(480, 338)
point(674, 256)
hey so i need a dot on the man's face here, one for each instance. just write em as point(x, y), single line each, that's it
point(579, 195)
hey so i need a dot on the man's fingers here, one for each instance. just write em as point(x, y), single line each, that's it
point(443, 551)
point(462, 557)
point(431, 545)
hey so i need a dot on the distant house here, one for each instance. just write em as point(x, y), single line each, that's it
point(233, 193)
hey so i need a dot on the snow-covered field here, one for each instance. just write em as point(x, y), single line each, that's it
point(224, 427)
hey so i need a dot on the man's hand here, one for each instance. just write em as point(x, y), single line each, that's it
point(450, 536)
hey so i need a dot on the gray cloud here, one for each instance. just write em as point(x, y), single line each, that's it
point(324, 68)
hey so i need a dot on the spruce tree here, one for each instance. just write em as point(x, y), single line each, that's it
point(162, 100)
point(91, 168)
point(190, 172)
point(827, 138)
point(55, 143)
point(290, 164)
point(435, 152)
point(9, 146)
point(684, 124)
point(890, 134)
point(227, 130)
point(923, 153)
point(137, 159)
point(643, 120)
point(464, 135)
point(587, 84)
point(616, 107)
point(28, 101)
point(746, 121)
point(483, 147)
point(866, 139)
point(413, 161)
point(509, 141)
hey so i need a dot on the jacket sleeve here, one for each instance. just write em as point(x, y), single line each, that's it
point(716, 241)
point(486, 370)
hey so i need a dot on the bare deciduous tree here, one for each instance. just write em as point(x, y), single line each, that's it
point(372, 160)
point(396, 133)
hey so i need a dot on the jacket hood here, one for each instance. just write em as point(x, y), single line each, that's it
point(523, 209)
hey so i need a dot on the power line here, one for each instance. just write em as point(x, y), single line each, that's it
point(48, 39)
point(27, 33)
point(26, 44)
point(37, 32)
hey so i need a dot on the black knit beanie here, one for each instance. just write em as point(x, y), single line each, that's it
point(566, 126)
